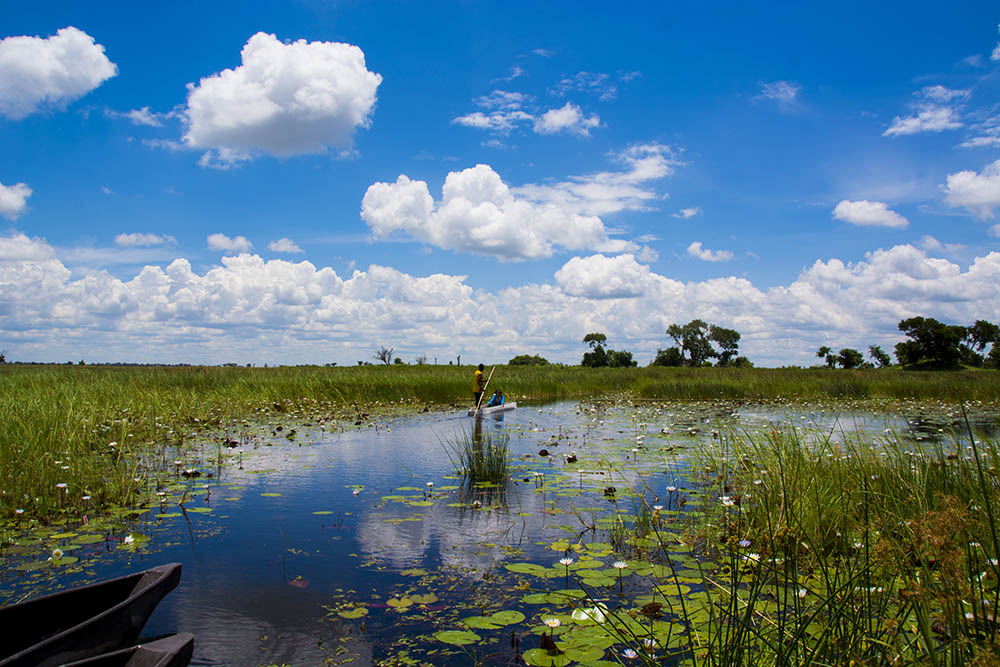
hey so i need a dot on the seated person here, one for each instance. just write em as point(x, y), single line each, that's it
point(496, 400)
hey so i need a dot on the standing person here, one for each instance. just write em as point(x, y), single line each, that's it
point(477, 384)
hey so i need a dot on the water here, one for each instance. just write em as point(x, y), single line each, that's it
point(344, 518)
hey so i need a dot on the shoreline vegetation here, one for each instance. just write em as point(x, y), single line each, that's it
point(78, 431)
point(796, 546)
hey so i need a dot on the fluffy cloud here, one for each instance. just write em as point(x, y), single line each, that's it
point(222, 242)
point(285, 99)
point(932, 119)
point(696, 250)
point(600, 277)
point(932, 112)
point(14, 200)
point(249, 309)
point(869, 213)
point(479, 214)
point(138, 240)
point(284, 245)
point(51, 72)
point(567, 118)
point(977, 193)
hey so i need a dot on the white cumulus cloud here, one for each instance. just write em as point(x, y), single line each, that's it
point(222, 242)
point(704, 254)
point(140, 240)
point(284, 99)
point(37, 73)
point(284, 245)
point(478, 213)
point(869, 213)
point(14, 200)
point(567, 118)
point(601, 277)
point(251, 309)
point(979, 193)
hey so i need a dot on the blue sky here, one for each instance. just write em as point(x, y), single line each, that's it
point(303, 182)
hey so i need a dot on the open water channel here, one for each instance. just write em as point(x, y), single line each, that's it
point(356, 543)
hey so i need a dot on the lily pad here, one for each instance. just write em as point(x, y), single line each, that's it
point(541, 658)
point(356, 612)
point(457, 637)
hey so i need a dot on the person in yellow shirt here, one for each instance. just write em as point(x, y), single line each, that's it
point(477, 384)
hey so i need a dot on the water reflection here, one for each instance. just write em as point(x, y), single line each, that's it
point(348, 514)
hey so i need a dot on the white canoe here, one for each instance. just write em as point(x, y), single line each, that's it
point(494, 410)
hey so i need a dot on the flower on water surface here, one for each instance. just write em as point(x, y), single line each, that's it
point(61, 485)
point(566, 561)
point(753, 558)
point(356, 492)
point(657, 508)
point(595, 614)
point(430, 485)
point(671, 489)
point(727, 501)
point(18, 511)
point(552, 622)
point(802, 592)
point(56, 554)
point(744, 543)
point(649, 643)
point(129, 539)
point(630, 654)
point(619, 564)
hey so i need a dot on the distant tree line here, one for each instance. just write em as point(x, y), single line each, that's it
point(600, 357)
point(931, 344)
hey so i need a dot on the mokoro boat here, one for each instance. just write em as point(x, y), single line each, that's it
point(485, 411)
point(169, 651)
point(83, 622)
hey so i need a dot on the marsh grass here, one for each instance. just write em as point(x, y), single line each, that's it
point(481, 455)
point(849, 549)
point(73, 414)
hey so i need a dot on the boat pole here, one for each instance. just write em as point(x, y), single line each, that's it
point(490, 377)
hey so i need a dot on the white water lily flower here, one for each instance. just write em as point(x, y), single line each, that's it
point(619, 564)
point(671, 489)
point(566, 561)
point(129, 539)
point(56, 554)
point(596, 614)
point(630, 654)
point(727, 501)
point(552, 622)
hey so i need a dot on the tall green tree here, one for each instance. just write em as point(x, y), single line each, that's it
point(930, 342)
point(879, 356)
point(826, 353)
point(692, 339)
point(668, 357)
point(728, 341)
point(849, 358)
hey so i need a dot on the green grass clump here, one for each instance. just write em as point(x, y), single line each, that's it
point(481, 456)
point(860, 551)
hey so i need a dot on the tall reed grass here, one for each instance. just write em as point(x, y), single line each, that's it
point(59, 422)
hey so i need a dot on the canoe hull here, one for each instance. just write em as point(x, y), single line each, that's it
point(485, 412)
point(85, 621)
point(170, 651)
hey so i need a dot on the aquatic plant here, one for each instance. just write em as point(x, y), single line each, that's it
point(481, 455)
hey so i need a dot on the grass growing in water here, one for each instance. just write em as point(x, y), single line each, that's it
point(480, 455)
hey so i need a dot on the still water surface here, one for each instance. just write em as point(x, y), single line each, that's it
point(363, 515)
